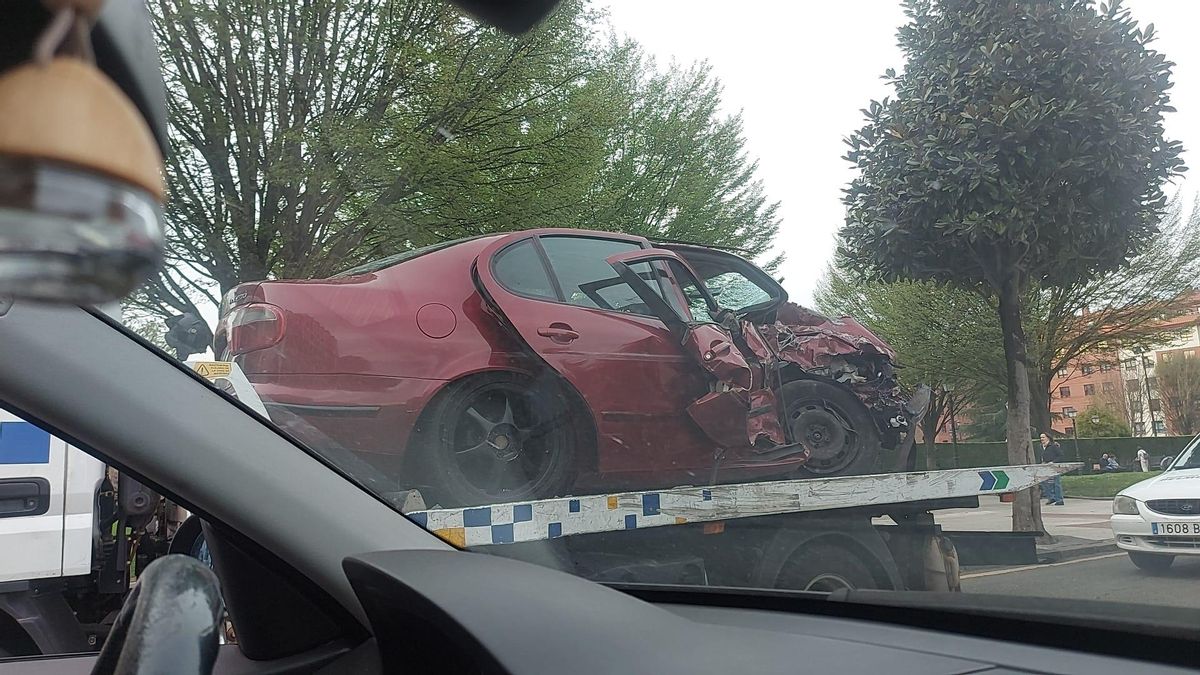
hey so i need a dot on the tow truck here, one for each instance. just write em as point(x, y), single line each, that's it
point(74, 533)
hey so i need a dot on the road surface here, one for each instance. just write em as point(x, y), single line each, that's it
point(1108, 577)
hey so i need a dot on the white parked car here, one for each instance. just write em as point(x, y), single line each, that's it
point(1159, 518)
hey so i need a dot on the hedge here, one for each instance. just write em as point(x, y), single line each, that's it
point(996, 454)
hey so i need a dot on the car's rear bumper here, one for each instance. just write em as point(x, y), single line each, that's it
point(1136, 533)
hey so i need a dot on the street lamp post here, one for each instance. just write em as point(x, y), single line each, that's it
point(1074, 432)
point(1095, 423)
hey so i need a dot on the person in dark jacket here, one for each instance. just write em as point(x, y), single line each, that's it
point(1052, 487)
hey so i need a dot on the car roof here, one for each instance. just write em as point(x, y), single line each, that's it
point(405, 256)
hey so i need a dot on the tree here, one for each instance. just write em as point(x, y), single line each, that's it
point(1024, 149)
point(1108, 425)
point(1179, 390)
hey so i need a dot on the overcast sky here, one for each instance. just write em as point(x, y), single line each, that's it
point(800, 72)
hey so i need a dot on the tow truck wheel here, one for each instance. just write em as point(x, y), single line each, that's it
point(825, 568)
point(1151, 562)
point(497, 437)
point(834, 426)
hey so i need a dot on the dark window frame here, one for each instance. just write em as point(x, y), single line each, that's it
point(666, 283)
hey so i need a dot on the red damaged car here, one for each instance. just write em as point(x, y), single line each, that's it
point(533, 364)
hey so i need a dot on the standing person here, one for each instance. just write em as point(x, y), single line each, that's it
point(1052, 488)
point(1143, 459)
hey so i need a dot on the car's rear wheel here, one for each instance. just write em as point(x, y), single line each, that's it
point(835, 427)
point(1151, 562)
point(497, 437)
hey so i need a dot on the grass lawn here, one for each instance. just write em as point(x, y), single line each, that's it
point(1101, 484)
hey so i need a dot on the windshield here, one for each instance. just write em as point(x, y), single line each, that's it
point(1189, 458)
point(967, 255)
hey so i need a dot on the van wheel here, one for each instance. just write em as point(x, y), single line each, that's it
point(497, 437)
point(825, 568)
point(834, 425)
point(1151, 562)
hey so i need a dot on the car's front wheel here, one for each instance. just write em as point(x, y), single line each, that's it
point(1151, 562)
point(497, 437)
point(834, 425)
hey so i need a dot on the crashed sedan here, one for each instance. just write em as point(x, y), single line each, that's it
point(545, 362)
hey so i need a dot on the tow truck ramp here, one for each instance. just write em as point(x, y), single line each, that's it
point(546, 519)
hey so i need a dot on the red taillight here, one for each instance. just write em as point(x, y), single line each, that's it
point(251, 327)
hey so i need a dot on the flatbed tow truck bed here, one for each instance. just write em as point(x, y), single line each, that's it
point(814, 533)
point(808, 534)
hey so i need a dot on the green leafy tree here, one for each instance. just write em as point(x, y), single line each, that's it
point(1097, 422)
point(1024, 149)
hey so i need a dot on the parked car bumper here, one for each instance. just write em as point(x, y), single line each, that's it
point(1143, 533)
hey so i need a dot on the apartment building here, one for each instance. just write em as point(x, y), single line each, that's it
point(1142, 401)
point(1094, 381)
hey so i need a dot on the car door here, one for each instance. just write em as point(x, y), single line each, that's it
point(33, 468)
point(556, 290)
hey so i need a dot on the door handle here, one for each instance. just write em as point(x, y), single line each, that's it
point(24, 497)
point(558, 332)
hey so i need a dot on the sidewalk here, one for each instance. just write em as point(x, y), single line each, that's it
point(1079, 528)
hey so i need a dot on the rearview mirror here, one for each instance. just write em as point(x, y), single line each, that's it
point(510, 16)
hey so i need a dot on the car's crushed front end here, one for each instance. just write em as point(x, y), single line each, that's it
point(845, 351)
point(798, 344)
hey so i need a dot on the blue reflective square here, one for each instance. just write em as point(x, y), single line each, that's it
point(502, 534)
point(554, 530)
point(650, 504)
point(420, 517)
point(522, 513)
point(573, 506)
point(477, 517)
point(631, 522)
point(23, 443)
point(707, 494)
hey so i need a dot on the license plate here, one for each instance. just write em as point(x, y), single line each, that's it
point(1175, 528)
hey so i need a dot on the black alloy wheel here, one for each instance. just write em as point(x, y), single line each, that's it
point(834, 425)
point(498, 438)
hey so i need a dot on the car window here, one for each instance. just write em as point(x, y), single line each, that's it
point(696, 305)
point(732, 290)
point(519, 267)
point(587, 280)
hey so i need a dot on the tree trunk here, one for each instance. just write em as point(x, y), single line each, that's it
point(1027, 512)
point(930, 423)
point(1039, 402)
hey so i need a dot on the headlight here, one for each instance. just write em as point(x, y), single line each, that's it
point(1126, 506)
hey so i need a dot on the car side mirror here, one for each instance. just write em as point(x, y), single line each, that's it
point(1166, 463)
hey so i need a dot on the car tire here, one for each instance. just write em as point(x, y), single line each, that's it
point(497, 437)
point(825, 567)
point(835, 425)
point(1151, 562)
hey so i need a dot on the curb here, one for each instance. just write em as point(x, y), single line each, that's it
point(1094, 499)
point(1077, 552)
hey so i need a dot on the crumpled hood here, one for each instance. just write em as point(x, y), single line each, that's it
point(834, 337)
point(1178, 484)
